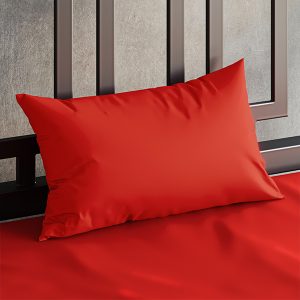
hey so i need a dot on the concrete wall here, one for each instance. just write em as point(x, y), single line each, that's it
point(26, 54)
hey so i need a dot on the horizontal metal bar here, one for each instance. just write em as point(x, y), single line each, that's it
point(273, 145)
point(282, 160)
point(18, 146)
point(282, 155)
point(269, 110)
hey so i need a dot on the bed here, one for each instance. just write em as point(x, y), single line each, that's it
point(242, 251)
point(238, 251)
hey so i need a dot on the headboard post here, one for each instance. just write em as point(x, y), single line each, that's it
point(105, 82)
point(175, 41)
point(63, 39)
point(25, 170)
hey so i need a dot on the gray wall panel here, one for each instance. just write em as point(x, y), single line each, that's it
point(26, 64)
point(84, 48)
point(247, 33)
point(26, 58)
point(140, 44)
point(194, 38)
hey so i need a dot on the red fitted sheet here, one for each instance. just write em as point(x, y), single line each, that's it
point(242, 251)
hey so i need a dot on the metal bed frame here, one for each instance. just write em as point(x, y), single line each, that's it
point(27, 195)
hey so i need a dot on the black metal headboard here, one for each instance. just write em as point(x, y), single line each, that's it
point(27, 194)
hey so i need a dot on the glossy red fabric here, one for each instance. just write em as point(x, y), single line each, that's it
point(240, 251)
point(148, 153)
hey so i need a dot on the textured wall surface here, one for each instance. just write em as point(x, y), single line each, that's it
point(140, 44)
point(26, 65)
point(84, 47)
point(26, 54)
point(194, 38)
point(247, 33)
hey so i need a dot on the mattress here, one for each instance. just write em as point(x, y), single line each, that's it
point(241, 251)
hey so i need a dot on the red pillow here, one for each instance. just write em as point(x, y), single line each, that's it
point(149, 153)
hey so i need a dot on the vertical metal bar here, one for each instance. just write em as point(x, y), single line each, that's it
point(214, 35)
point(25, 170)
point(175, 41)
point(63, 23)
point(273, 23)
point(280, 56)
point(105, 47)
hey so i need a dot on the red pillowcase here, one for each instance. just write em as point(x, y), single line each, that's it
point(149, 153)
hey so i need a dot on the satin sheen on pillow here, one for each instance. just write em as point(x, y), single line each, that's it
point(149, 153)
